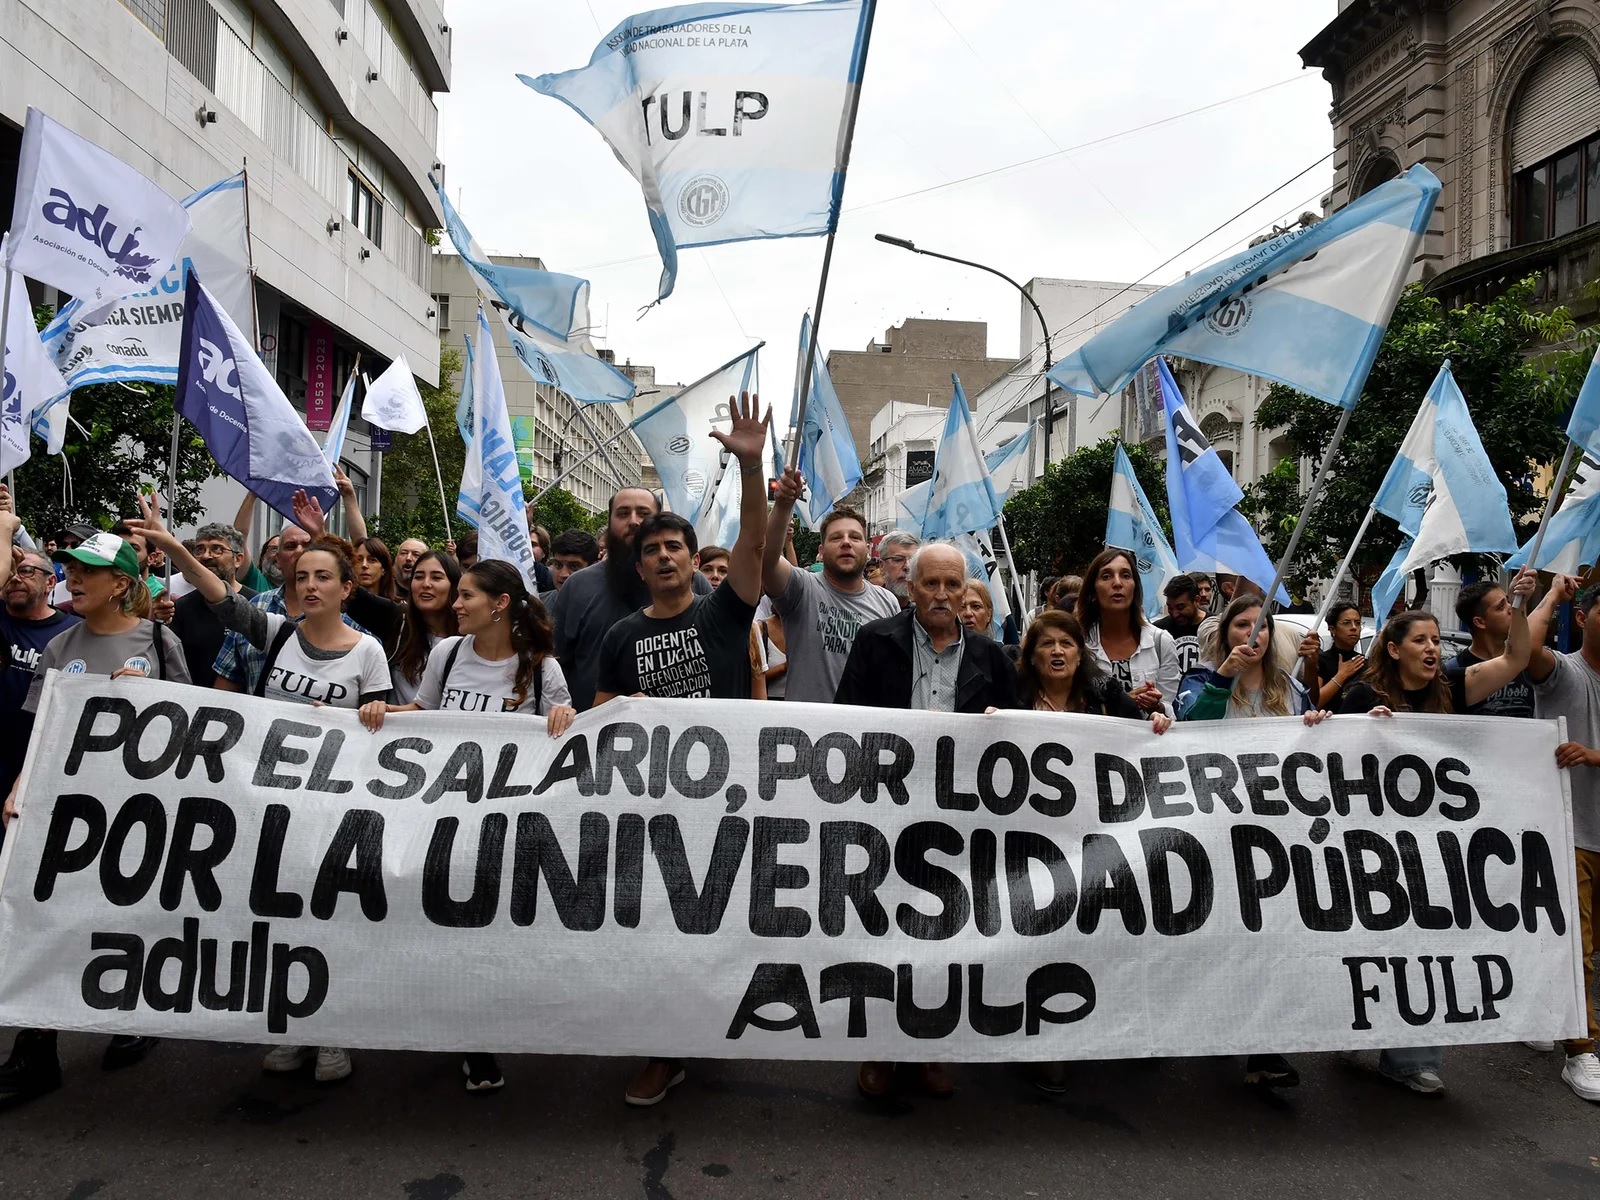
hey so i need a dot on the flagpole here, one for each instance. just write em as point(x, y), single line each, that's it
point(1016, 590)
point(1549, 509)
point(1349, 557)
point(1300, 525)
point(569, 470)
point(439, 475)
point(833, 229)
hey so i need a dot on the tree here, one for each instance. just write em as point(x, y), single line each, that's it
point(559, 511)
point(1517, 402)
point(409, 505)
point(1059, 524)
point(121, 449)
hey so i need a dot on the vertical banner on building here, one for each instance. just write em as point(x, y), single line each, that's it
point(319, 376)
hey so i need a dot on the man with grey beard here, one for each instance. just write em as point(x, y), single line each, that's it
point(221, 548)
point(894, 551)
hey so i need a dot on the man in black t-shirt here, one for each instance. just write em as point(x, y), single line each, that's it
point(1485, 611)
point(1183, 619)
point(221, 548)
point(685, 645)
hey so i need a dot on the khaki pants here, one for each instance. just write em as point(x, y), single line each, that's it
point(1588, 877)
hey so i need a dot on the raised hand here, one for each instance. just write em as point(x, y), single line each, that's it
point(150, 524)
point(342, 482)
point(308, 515)
point(746, 440)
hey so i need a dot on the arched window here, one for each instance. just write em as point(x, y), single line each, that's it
point(1379, 171)
point(1554, 147)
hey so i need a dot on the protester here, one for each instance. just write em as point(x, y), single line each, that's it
point(467, 549)
point(874, 572)
point(158, 609)
point(1568, 686)
point(1182, 620)
point(1202, 591)
point(1139, 656)
point(220, 549)
point(823, 610)
point(108, 591)
point(375, 568)
point(1405, 673)
point(772, 646)
point(596, 598)
point(1337, 666)
point(570, 552)
point(1045, 584)
point(712, 562)
point(27, 625)
point(922, 658)
point(1064, 592)
point(895, 549)
point(1484, 610)
point(430, 618)
point(539, 541)
point(977, 608)
point(684, 644)
point(406, 555)
point(1057, 673)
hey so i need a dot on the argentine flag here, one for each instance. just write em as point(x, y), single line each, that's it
point(1443, 492)
point(732, 116)
point(333, 444)
point(1208, 533)
point(1005, 464)
point(1583, 427)
point(961, 496)
point(1306, 308)
point(490, 498)
point(827, 456)
point(247, 423)
point(1131, 525)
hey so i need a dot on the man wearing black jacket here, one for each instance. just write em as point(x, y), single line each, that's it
point(923, 659)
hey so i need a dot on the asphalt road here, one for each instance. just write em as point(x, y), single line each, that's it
point(199, 1120)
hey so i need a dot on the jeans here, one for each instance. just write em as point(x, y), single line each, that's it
point(1410, 1061)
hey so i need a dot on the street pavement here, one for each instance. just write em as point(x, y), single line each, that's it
point(199, 1120)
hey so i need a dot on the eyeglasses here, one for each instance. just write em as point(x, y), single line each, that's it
point(897, 559)
point(26, 571)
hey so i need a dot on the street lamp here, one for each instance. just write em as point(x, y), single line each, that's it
point(1049, 408)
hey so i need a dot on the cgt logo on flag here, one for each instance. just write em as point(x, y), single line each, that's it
point(703, 200)
point(94, 228)
point(1230, 317)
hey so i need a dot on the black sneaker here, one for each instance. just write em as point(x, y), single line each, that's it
point(1270, 1070)
point(483, 1073)
point(124, 1050)
point(33, 1069)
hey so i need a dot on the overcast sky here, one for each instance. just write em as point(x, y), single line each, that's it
point(952, 88)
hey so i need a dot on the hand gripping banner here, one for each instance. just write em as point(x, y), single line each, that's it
point(745, 880)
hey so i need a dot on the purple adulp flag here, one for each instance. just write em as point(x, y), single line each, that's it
point(248, 424)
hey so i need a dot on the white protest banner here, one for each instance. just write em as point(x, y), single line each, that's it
point(740, 880)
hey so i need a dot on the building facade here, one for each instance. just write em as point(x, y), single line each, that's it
point(552, 437)
point(327, 104)
point(1501, 100)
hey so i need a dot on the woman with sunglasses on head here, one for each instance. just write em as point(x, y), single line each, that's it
point(430, 618)
point(1127, 646)
point(503, 662)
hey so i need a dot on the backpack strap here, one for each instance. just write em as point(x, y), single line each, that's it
point(450, 662)
point(279, 641)
point(538, 686)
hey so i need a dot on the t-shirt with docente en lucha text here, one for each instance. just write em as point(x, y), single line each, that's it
point(704, 651)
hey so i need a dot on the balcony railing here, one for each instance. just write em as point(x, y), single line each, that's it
point(1563, 266)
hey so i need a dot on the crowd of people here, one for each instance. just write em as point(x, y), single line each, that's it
point(309, 617)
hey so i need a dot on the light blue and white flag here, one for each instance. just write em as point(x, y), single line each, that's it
point(961, 496)
point(1131, 525)
point(827, 456)
point(1006, 466)
point(732, 116)
point(28, 379)
point(677, 435)
point(50, 424)
point(333, 444)
point(1572, 539)
point(1583, 427)
point(983, 566)
point(140, 336)
point(1307, 308)
point(1443, 492)
point(490, 499)
point(254, 433)
point(84, 221)
point(1208, 532)
point(464, 417)
point(546, 319)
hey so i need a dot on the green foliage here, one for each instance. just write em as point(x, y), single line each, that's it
point(409, 506)
point(1059, 523)
point(122, 449)
point(807, 543)
point(560, 511)
point(1517, 402)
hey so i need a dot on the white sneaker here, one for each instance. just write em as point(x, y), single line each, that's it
point(283, 1059)
point(1582, 1075)
point(1541, 1047)
point(333, 1064)
point(1426, 1082)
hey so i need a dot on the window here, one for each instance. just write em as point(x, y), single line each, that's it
point(1558, 195)
point(442, 303)
point(365, 210)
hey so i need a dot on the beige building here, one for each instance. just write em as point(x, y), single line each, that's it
point(1501, 100)
point(558, 436)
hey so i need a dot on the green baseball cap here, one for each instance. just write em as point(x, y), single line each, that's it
point(103, 550)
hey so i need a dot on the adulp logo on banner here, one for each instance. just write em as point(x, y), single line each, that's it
point(730, 880)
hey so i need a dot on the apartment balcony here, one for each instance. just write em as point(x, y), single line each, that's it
point(1563, 266)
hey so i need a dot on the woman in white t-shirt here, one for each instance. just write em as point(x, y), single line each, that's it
point(320, 661)
point(430, 618)
point(503, 662)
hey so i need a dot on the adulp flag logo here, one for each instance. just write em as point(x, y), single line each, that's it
point(85, 221)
